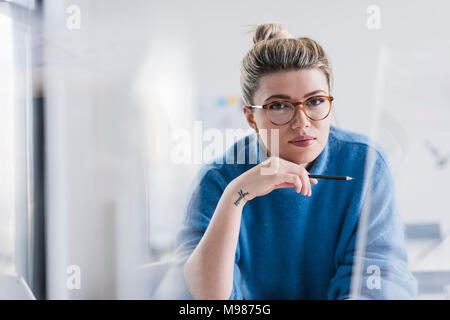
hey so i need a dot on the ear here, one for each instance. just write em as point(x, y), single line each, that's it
point(249, 116)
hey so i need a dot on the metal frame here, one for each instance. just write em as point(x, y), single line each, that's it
point(30, 250)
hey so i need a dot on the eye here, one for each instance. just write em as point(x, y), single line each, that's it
point(279, 106)
point(315, 101)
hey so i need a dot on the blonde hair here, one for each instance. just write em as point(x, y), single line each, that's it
point(275, 49)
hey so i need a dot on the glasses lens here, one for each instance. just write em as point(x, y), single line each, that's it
point(317, 108)
point(280, 112)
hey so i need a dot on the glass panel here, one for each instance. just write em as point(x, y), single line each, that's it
point(7, 146)
point(411, 123)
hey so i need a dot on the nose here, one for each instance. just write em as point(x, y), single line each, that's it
point(300, 120)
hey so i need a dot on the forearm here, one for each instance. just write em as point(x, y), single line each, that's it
point(209, 270)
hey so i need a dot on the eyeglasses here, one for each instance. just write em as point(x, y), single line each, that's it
point(315, 108)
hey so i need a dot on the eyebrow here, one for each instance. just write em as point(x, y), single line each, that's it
point(283, 96)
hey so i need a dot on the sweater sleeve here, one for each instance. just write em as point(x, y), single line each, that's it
point(201, 206)
point(236, 293)
point(379, 263)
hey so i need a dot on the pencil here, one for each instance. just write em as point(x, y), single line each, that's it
point(318, 176)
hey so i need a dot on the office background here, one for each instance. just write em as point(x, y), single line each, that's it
point(87, 121)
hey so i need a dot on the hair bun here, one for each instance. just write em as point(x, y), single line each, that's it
point(269, 31)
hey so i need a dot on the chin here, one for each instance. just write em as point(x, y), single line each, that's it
point(304, 158)
point(298, 156)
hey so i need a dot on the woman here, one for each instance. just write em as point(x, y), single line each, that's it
point(251, 235)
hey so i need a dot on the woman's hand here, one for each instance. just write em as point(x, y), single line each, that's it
point(259, 181)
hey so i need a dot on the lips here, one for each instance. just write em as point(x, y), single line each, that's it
point(301, 138)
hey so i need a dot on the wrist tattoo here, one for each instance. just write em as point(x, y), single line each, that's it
point(241, 194)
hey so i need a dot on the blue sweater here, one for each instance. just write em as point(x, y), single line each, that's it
point(296, 247)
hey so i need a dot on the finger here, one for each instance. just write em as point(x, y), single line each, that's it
point(309, 184)
point(291, 167)
point(305, 182)
point(298, 183)
point(288, 178)
point(313, 181)
point(285, 185)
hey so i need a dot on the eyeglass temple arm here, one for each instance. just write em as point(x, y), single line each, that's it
point(257, 107)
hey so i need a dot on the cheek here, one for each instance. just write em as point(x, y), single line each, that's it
point(323, 128)
point(267, 129)
point(283, 135)
point(263, 124)
point(261, 120)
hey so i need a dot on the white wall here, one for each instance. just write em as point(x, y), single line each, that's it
point(95, 147)
point(414, 35)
